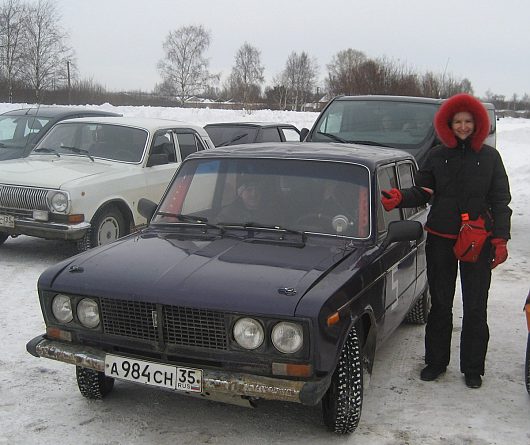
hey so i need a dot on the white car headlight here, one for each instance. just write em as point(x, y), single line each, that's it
point(88, 313)
point(62, 308)
point(58, 201)
point(248, 333)
point(287, 337)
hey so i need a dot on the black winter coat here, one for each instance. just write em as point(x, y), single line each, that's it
point(464, 181)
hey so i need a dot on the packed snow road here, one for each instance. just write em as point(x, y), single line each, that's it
point(40, 402)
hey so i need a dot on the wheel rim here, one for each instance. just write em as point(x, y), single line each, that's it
point(109, 231)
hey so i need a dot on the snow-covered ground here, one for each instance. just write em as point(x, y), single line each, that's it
point(40, 403)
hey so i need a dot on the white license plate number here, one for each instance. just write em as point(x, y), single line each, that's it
point(7, 221)
point(156, 374)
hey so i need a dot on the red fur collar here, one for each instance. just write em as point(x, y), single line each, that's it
point(456, 104)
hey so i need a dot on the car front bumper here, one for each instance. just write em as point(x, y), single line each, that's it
point(230, 387)
point(47, 230)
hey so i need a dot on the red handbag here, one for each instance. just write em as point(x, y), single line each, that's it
point(471, 239)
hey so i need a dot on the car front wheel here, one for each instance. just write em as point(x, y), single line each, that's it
point(3, 237)
point(342, 403)
point(93, 384)
point(107, 225)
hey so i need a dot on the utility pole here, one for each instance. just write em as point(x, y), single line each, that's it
point(69, 84)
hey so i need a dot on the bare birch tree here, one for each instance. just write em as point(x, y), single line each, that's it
point(48, 60)
point(12, 14)
point(247, 73)
point(184, 69)
point(300, 74)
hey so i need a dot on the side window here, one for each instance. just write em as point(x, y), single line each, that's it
point(269, 135)
point(405, 173)
point(290, 135)
point(188, 144)
point(163, 144)
point(386, 179)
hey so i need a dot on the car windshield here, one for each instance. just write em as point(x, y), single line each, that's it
point(106, 141)
point(18, 131)
point(402, 125)
point(330, 198)
point(222, 135)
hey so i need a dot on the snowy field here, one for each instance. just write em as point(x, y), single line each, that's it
point(40, 402)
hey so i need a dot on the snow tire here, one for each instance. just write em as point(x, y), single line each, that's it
point(107, 225)
point(420, 311)
point(342, 403)
point(527, 365)
point(93, 384)
point(3, 237)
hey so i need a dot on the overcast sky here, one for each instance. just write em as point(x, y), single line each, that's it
point(119, 42)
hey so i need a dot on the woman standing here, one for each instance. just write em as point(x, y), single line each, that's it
point(464, 178)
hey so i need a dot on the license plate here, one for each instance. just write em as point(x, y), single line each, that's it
point(7, 221)
point(156, 374)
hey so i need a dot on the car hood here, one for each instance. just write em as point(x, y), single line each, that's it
point(219, 274)
point(49, 172)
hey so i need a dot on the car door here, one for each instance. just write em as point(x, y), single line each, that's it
point(158, 176)
point(398, 260)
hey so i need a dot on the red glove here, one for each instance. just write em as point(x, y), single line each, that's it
point(391, 198)
point(500, 252)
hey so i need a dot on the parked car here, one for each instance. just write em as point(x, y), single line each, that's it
point(286, 298)
point(82, 182)
point(387, 121)
point(527, 361)
point(22, 129)
point(232, 133)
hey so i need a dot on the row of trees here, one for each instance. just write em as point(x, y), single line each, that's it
point(34, 50)
point(184, 71)
point(36, 59)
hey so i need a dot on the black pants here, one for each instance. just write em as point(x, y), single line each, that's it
point(475, 281)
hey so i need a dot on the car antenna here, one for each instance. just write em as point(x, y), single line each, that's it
point(31, 126)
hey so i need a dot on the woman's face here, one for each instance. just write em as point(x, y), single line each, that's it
point(463, 125)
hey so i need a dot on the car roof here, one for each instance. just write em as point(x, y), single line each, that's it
point(147, 123)
point(53, 112)
point(425, 100)
point(320, 151)
point(249, 124)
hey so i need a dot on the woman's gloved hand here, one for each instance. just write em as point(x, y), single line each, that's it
point(500, 251)
point(391, 198)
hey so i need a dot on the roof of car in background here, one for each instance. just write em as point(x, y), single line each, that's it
point(250, 124)
point(53, 112)
point(319, 151)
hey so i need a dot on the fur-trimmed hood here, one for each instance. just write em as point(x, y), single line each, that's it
point(456, 104)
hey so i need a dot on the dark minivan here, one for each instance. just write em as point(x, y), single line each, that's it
point(402, 122)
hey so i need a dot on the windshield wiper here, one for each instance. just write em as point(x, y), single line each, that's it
point(254, 225)
point(332, 136)
point(192, 219)
point(234, 139)
point(47, 150)
point(79, 151)
point(361, 142)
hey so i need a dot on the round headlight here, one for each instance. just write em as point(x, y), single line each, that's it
point(88, 313)
point(58, 202)
point(248, 333)
point(287, 337)
point(62, 308)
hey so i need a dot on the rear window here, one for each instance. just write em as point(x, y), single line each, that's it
point(231, 135)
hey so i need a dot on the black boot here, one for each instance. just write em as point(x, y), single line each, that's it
point(473, 380)
point(431, 372)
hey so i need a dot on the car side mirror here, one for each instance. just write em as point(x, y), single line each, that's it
point(303, 133)
point(157, 159)
point(402, 231)
point(147, 208)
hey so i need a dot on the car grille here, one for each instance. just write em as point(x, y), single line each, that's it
point(181, 326)
point(30, 198)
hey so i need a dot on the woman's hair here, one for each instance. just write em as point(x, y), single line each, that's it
point(456, 104)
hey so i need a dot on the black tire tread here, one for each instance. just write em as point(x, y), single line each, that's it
point(92, 384)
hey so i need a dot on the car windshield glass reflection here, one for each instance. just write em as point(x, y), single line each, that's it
point(294, 195)
point(104, 141)
point(18, 131)
point(384, 123)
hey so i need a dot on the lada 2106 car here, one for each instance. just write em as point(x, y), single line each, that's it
point(267, 271)
point(82, 182)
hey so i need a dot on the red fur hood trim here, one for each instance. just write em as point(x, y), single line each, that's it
point(456, 104)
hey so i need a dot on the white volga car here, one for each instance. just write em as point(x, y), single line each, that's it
point(82, 182)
